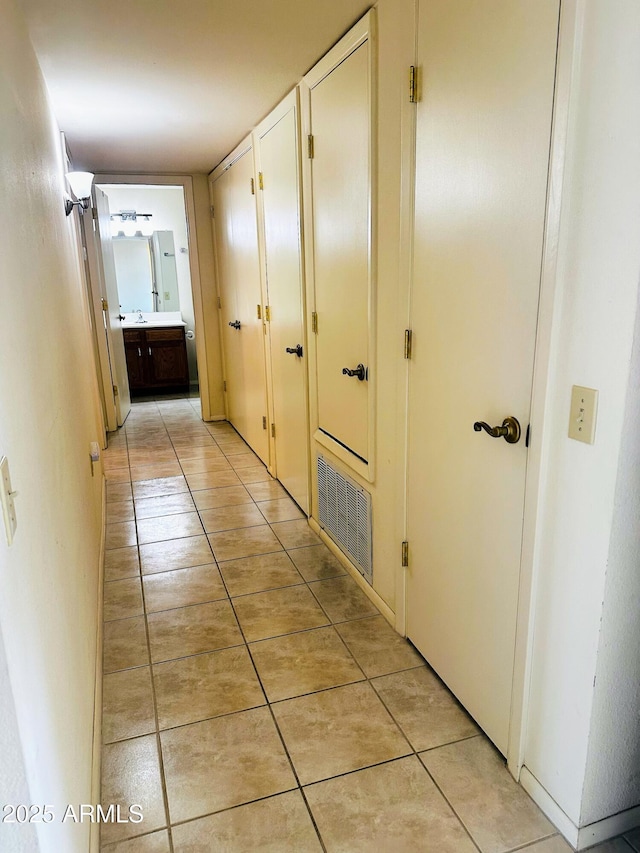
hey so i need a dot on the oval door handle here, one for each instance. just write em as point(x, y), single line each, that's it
point(510, 429)
point(297, 350)
point(235, 324)
point(360, 372)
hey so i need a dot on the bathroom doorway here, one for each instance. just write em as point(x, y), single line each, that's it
point(150, 240)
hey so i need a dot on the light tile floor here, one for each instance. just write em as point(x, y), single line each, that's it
point(254, 699)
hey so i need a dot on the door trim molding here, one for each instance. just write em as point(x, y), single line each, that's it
point(570, 24)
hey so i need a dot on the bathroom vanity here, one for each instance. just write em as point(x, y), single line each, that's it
point(156, 353)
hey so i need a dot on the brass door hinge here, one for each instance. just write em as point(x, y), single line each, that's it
point(224, 384)
point(408, 340)
point(264, 422)
point(105, 304)
point(259, 309)
point(413, 84)
point(260, 181)
point(253, 187)
point(267, 313)
point(273, 430)
point(310, 146)
point(219, 303)
point(116, 393)
point(314, 322)
point(212, 212)
point(94, 212)
point(405, 554)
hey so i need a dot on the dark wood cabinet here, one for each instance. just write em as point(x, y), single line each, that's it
point(156, 358)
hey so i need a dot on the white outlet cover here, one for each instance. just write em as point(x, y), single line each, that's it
point(582, 418)
point(6, 499)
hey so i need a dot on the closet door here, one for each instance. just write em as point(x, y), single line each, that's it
point(278, 158)
point(236, 233)
point(339, 184)
point(482, 153)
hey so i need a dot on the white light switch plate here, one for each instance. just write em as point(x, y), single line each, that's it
point(6, 498)
point(582, 419)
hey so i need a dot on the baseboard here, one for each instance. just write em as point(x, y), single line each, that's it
point(551, 809)
point(368, 590)
point(96, 769)
point(609, 827)
point(583, 837)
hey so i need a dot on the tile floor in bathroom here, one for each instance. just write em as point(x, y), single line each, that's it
point(254, 699)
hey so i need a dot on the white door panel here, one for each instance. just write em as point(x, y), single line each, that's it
point(237, 244)
point(341, 187)
point(113, 324)
point(483, 134)
point(277, 148)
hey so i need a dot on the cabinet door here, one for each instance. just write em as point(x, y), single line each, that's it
point(341, 191)
point(277, 149)
point(135, 365)
point(135, 350)
point(236, 230)
point(167, 357)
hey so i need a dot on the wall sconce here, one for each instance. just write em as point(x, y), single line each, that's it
point(80, 183)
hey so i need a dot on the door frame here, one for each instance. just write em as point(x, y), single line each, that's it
point(569, 33)
point(569, 38)
point(186, 182)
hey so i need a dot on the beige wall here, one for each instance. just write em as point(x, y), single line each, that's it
point(49, 576)
point(582, 741)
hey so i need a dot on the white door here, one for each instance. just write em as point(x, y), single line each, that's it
point(105, 377)
point(236, 233)
point(113, 323)
point(340, 191)
point(277, 149)
point(483, 134)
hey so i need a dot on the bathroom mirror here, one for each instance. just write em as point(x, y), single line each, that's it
point(146, 272)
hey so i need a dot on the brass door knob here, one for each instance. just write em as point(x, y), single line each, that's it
point(510, 429)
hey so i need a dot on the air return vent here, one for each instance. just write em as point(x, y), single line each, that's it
point(345, 514)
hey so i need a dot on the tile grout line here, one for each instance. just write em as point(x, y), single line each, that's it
point(163, 783)
point(269, 704)
point(277, 727)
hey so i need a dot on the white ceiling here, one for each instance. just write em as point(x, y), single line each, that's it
point(173, 85)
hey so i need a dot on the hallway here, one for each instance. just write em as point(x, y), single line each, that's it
point(253, 697)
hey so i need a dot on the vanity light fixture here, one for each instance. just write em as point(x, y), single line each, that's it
point(80, 183)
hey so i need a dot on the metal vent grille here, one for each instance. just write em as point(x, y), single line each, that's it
point(345, 514)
